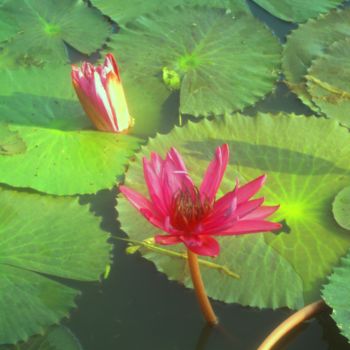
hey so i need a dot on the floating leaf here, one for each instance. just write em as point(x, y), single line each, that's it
point(42, 236)
point(45, 26)
point(67, 162)
point(336, 295)
point(297, 11)
point(328, 81)
point(60, 158)
point(124, 11)
point(220, 72)
point(10, 142)
point(309, 41)
point(41, 97)
point(341, 208)
point(8, 26)
point(304, 176)
point(56, 338)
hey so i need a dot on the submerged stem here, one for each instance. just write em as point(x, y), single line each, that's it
point(291, 323)
point(201, 294)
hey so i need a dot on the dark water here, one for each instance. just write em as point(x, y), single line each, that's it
point(138, 308)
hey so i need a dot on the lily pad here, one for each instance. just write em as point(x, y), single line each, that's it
point(46, 26)
point(341, 208)
point(309, 41)
point(60, 158)
point(218, 71)
point(336, 293)
point(40, 237)
point(124, 11)
point(304, 176)
point(41, 97)
point(8, 26)
point(328, 81)
point(67, 162)
point(10, 142)
point(297, 11)
point(56, 338)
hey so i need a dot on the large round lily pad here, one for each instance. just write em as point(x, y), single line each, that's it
point(61, 157)
point(43, 236)
point(304, 175)
point(328, 81)
point(123, 11)
point(336, 294)
point(307, 42)
point(297, 10)
point(45, 26)
point(201, 52)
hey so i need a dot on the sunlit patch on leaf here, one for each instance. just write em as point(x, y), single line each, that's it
point(43, 236)
point(203, 52)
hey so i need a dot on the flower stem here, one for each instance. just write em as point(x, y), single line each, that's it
point(201, 294)
point(291, 323)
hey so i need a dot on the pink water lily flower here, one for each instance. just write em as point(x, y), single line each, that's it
point(101, 94)
point(192, 215)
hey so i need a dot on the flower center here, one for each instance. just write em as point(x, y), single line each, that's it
point(188, 209)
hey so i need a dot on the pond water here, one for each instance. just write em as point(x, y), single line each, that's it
point(139, 308)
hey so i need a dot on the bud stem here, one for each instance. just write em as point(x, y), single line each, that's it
point(201, 294)
point(291, 323)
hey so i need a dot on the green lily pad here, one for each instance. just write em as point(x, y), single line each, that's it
point(124, 11)
point(60, 158)
point(341, 208)
point(304, 176)
point(10, 142)
point(56, 338)
point(67, 162)
point(309, 41)
point(336, 295)
point(45, 26)
point(40, 237)
point(219, 72)
point(41, 97)
point(328, 82)
point(297, 11)
point(8, 26)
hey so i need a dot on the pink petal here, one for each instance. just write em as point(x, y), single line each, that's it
point(215, 171)
point(111, 64)
point(175, 177)
point(201, 245)
point(249, 226)
point(250, 189)
point(221, 221)
point(144, 206)
point(261, 213)
point(167, 239)
point(153, 182)
point(246, 208)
